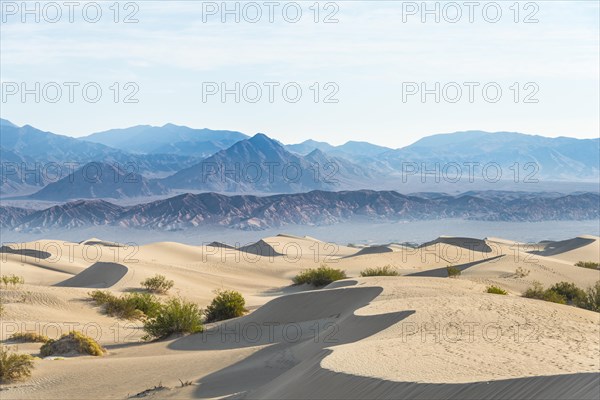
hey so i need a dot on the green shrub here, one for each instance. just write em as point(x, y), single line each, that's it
point(145, 302)
point(14, 366)
point(588, 264)
point(101, 297)
point(28, 337)
point(228, 304)
point(158, 284)
point(176, 316)
point(535, 292)
point(521, 272)
point(72, 342)
point(386, 270)
point(496, 290)
point(130, 306)
point(453, 272)
point(554, 297)
point(321, 276)
point(12, 280)
point(592, 299)
point(571, 293)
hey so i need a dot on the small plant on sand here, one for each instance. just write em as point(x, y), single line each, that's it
point(496, 290)
point(521, 272)
point(318, 277)
point(453, 272)
point(176, 316)
point(570, 292)
point(567, 293)
point(592, 299)
point(158, 284)
point(228, 304)
point(14, 366)
point(72, 342)
point(588, 264)
point(129, 306)
point(12, 280)
point(386, 270)
point(28, 337)
point(101, 297)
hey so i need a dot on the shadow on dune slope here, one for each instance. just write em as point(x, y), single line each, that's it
point(38, 254)
point(554, 248)
point(310, 381)
point(294, 328)
point(98, 275)
point(443, 272)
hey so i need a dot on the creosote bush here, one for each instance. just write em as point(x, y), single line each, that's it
point(496, 290)
point(28, 337)
point(588, 264)
point(14, 366)
point(318, 277)
point(386, 270)
point(453, 272)
point(158, 284)
point(72, 342)
point(228, 304)
point(129, 306)
point(567, 293)
point(12, 280)
point(521, 272)
point(175, 316)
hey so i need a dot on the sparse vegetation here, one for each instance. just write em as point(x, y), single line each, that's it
point(570, 292)
point(521, 272)
point(592, 299)
point(14, 366)
point(228, 304)
point(386, 270)
point(176, 316)
point(12, 280)
point(129, 306)
point(588, 264)
point(318, 277)
point(567, 293)
point(72, 342)
point(453, 272)
point(496, 290)
point(158, 284)
point(28, 337)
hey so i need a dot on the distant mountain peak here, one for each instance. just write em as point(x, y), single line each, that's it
point(5, 122)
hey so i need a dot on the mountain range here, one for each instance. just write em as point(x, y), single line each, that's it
point(313, 208)
point(169, 159)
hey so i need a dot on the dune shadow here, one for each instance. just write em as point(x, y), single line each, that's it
point(554, 248)
point(471, 244)
point(290, 329)
point(260, 248)
point(371, 250)
point(326, 384)
point(443, 272)
point(40, 255)
point(99, 275)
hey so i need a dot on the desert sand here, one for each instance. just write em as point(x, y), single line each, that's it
point(419, 335)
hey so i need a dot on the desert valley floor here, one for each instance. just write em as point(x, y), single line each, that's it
point(418, 335)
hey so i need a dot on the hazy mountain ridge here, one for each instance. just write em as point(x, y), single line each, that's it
point(169, 138)
point(100, 180)
point(239, 164)
point(33, 158)
point(312, 208)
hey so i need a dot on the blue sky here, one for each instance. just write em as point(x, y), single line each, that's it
point(370, 55)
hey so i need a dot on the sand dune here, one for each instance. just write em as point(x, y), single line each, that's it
point(380, 337)
point(100, 275)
